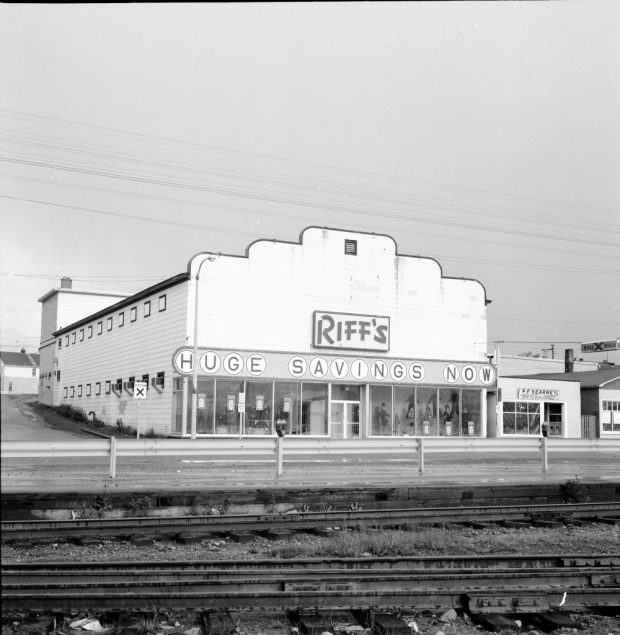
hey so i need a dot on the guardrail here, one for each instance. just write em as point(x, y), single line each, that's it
point(275, 448)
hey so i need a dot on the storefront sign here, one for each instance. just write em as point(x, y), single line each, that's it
point(538, 394)
point(349, 331)
point(272, 365)
point(599, 347)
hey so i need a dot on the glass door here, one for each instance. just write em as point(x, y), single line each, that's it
point(345, 419)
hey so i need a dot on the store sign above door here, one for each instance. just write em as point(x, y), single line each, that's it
point(538, 393)
point(350, 331)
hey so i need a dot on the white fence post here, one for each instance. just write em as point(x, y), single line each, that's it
point(113, 457)
point(420, 455)
point(279, 452)
point(544, 453)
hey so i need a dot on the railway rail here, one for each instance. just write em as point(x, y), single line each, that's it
point(486, 584)
point(101, 528)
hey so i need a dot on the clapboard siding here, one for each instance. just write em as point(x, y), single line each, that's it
point(135, 349)
point(266, 301)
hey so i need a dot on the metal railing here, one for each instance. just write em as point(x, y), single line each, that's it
point(273, 448)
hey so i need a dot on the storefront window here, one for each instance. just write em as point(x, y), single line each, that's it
point(227, 416)
point(345, 392)
point(258, 407)
point(204, 407)
point(177, 405)
point(404, 410)
point(314, 408)
point(381, 411)
point(426, 412)
point(449, 412)
point(521, 417)
point(286, 407)
point(471, 422)
point(610, 416)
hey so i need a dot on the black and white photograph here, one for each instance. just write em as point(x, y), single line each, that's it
point(310, 318)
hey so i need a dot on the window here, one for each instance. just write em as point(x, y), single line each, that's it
point(81, 335)
point(314, 408)
point(521, 417)
point(133, 314)
point(98, 388)
point(610, 416)
point(258, 407)
point(72, 392)
point(158, 381)
point(88, 390)
point(226, 405)
point(381, 409)
point(90, 331)
point(99, 328)
point(57, 375)
point(350, 247)
point(286, 407)
point(145, 378)
point(34, 372)
point(66, 340)
point(109, 324)
point(79, 394)
point(64, 392)
point(147, 308)
point(108, 387)
point(121, 319)
point(162, 302)
point(60, 343)
point(72, 338)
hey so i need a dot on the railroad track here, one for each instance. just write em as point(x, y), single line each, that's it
point(36, 530)
point(483, 584)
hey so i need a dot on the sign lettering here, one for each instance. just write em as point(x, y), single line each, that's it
point(346, 330)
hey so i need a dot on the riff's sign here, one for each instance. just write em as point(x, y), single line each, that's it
point(350, 331)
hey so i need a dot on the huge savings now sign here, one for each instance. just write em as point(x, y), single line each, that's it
point(349, 331)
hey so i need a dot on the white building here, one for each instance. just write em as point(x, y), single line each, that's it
point(337, 335)
point(19, 372)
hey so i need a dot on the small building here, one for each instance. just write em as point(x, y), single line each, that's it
point(599, 400)
point(336, 335)
point(19, 372)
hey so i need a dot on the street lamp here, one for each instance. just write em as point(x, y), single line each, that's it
point(209, 258)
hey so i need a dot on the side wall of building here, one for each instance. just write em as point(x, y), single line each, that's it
point(19, 380)
point(119, 345)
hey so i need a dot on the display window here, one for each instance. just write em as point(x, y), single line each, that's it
point(471, 421)
point(427, 421)
point(227, 416)
point(381, 411)
point(449, 412)
point(286, 403)
point(258, 407)
point(610, 416)
point(404, 410)
point(521, 417)
point(314, 401)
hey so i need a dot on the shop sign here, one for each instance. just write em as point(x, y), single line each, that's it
point(273, 365)
point(350, 331)
point(599, 347)
point(538, 393)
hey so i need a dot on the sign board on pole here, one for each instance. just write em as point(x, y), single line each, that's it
point(600, 347)
point(139, 390)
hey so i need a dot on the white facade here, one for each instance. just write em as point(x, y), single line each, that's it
point(526, 404)
point(337, 335)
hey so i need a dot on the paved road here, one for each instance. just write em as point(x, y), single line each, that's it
point(20, 423)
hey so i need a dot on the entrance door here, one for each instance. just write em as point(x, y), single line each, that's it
point(345, 419)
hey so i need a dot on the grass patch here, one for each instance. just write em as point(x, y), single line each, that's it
point(442, 541)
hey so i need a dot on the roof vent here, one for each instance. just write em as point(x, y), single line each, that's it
point(350, 247)
point(66, 282)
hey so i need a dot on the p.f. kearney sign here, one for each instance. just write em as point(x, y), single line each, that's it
point(350, 331)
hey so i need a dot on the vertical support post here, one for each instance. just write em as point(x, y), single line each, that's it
point(279, 455)
point(543, 447)
point(420, 455)
point(138, 422)
point(113, 457)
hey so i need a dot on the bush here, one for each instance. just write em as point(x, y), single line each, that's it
point(65, 410)
point(575, 491)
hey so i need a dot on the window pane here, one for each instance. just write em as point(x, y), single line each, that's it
point(472, 412)
point(449, 411)
point(286, 407)
point(427, 409)
point(204, 407)
point(381, 409)
point(521, 423)
point(258, 407)
point(226, 410)
point(404, 410)
point(344, 392)
point(534, 423)
point(509, 423)
point(314, 408)
point(510, 406)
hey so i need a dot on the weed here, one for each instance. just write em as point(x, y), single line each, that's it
point(140, 506)
point(575, 491)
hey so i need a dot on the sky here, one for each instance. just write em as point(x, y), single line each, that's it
point(483, 134)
